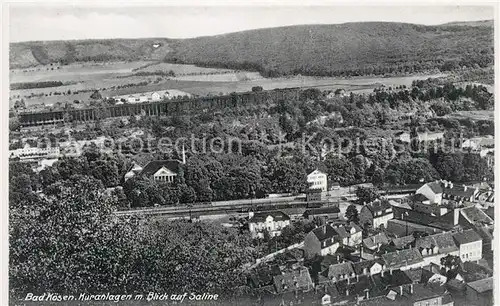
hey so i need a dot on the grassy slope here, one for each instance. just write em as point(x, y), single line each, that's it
point(307, 49)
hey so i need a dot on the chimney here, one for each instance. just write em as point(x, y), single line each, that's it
point(250, 214)
point(348, 280)
point(390, 271)
point(411, 288)
point(357, 278)
point(465, 188)
point(367, 294)
point(456, 216)
point(347, 291)
point(324, 229)
point(400, 290)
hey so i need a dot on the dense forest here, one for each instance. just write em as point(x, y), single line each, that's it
point(370, 48)
point(351, 49)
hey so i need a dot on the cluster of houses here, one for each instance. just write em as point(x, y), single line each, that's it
point(152, 96)
point(431, 248)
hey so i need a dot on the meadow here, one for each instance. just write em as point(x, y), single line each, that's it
point(118, 78)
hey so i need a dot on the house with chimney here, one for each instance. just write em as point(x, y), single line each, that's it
point(374, 242)
point(322, 240)
point(470, 245)
point(435, 247)
point(322, 213)
point(355, 234)
point(340, 272)
point(376, 214)
point(293, 280)
point(412, 294)
point(368, 267)
point(271, 221)
point(403, 259)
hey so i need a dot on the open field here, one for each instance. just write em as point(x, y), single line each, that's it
point(474, 115)
point(206, 81)
point(73, 72)
point(181, 69)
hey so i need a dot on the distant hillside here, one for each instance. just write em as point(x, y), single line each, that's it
point(26, 54)
point(345, 49)
point(327, 50)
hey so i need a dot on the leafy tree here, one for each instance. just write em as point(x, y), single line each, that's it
point(65, 241)
point(286, 175)
point(475, 167)
point(450, 261)
point(339, 169)
point(257, 88)
point(366, 194)
point(352, 214)
point(411, 171)
point(96, 95)
point(450, 166)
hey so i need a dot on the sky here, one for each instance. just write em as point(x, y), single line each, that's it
point(61, 22)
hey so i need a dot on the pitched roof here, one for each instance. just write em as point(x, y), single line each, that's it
point(388, 280)
point(342, 232)
point(373, 241)
point(322, 211)
point(289, 281)
point(459, 191)
point(414, 274)
point(418, 197)
point(444, 242)
point(153, 166)
point(360, 266)
point(398, 259)
point(352, 225)
point(475, 215)
point(378, 205)
point(466, 236)
point(261, 216)
point(341, 269)
point(402, 242)
point(486, 233)
point(482, 285)
point(435, 187)
point(324, 232)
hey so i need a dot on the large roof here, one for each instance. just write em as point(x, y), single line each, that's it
point(444, 242)
point(401, 258)
point(373, 241)
point(402, 242)
point(360, 266)
point(482, 285)
point(459, 191)
point(153, 166)
point(322, 211)
point(342, 269)
point(476, 216)
point(261, 216)
point(435, 187)
point(467, 236)
point(324, 232)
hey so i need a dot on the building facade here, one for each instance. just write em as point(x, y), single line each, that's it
point(317, 180)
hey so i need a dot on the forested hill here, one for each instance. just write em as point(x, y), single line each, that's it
point(343, 49)
point(351, 48)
